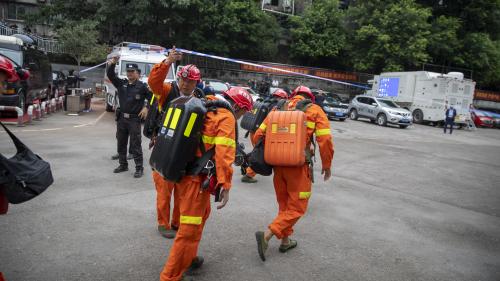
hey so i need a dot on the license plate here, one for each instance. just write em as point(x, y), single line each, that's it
point(405, 120)
point(339, 114)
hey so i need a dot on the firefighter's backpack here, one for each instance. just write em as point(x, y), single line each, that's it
point(251, 120)
point(174, 153)
point(178, 138)
point(285, 140)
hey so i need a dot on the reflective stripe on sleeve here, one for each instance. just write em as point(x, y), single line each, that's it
point(322, 132)
point(263, 127)
point(218, 141)
point(311, 125)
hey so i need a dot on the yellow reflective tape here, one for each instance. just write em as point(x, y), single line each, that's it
point(190, 124)
point(152, 99)
point(304, 195)
point(169, 112)
point(274, 128)
point(218, 141)
point(190, 220)
point(263, 127)
point(175, 119)
point(311, 125)
point(293, 127)
point(322, 132)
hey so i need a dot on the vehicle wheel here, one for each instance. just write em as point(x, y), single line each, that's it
point(418, 116)
point(354, 114)
point(403, 126)
point(382, 120)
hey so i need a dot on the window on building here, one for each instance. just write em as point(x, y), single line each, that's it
point(17, 11)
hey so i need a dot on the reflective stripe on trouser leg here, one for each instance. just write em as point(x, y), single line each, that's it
point(193, 204)
point(293, 180)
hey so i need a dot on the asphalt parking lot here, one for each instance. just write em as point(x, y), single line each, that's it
point(410, 204)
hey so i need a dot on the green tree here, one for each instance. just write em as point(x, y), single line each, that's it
point(482, 55)
point(444, 43)
point(388, 35)
point(319, 34)
point(235, 28)
point(79, 40)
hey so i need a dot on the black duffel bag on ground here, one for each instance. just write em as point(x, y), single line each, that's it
point(25, 175)
point(256, 160)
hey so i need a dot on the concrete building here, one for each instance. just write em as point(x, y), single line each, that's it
point(13, 12)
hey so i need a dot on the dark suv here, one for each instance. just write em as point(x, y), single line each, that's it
point(335, 109)
point(24, 54)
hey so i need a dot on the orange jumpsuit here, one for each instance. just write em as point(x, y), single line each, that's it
point(293, 184)
point(164, 189)
point(219, 131)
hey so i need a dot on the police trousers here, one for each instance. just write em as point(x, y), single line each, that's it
point(125, 128)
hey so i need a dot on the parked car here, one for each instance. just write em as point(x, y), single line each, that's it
point(379, 110)
point(481, 119)
point(24, 54)
point(335, 109)
point(496, 119)
point(218, 85)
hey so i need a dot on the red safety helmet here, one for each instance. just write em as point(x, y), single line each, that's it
point(280, 93)
point(303, 90)
point(190, 72)
point(7, 67)
point(241, 97)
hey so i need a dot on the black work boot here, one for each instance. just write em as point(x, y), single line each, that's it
point(195, 264)
point(121, 168)
point(138, 172)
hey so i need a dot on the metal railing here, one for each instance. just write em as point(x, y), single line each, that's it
point(45, 44)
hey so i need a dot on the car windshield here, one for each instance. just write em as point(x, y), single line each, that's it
point(13, 55)
point(218, 86)
point(145, 68)
point(331, 101)
point(388, 103)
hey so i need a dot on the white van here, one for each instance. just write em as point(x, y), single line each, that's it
point(426, 94)
point(144, 55)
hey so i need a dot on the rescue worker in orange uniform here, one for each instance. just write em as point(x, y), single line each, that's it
point(293, 184)
point(249, 177)
point(218, 131)
point(164, 189)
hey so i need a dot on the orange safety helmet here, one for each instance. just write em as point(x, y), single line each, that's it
point(303, 90)
point(241, 97)
point(280, 93)
point(190, 72)
point(7, 67)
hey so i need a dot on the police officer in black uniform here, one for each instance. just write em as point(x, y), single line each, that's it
point(133, 96)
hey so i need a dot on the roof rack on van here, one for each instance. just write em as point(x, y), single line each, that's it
point(140, 46)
